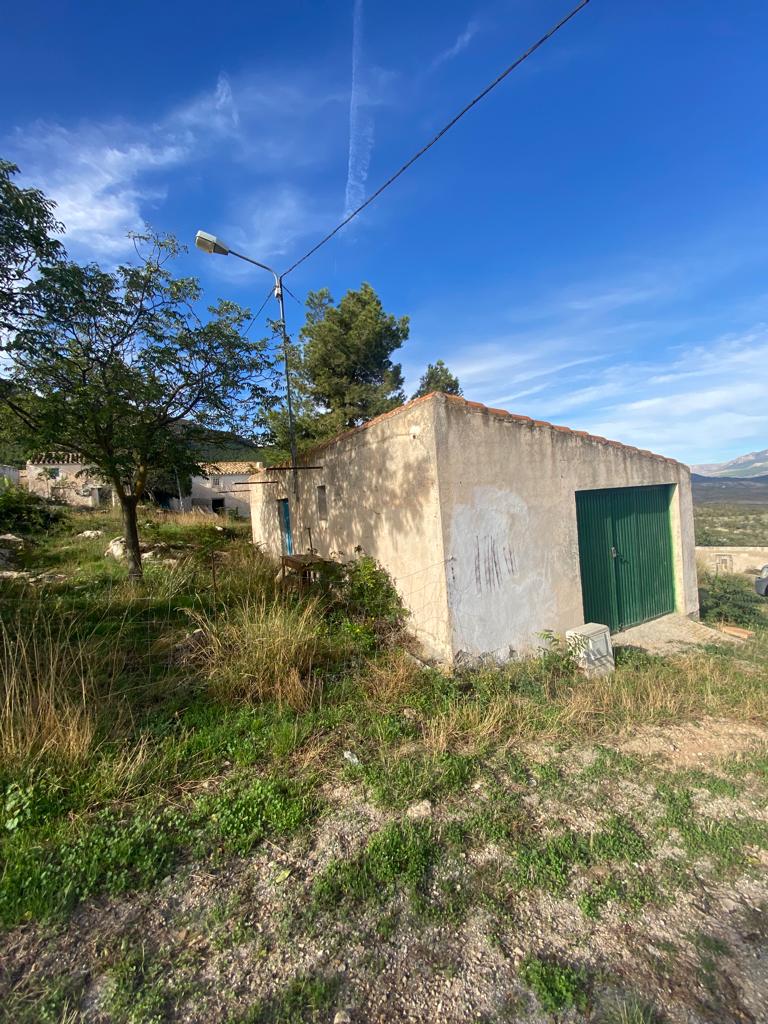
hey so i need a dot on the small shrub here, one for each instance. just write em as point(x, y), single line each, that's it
point(726, 597)
point(363, 592)
point(369, 593)
point(24, 512)
point(557, 986)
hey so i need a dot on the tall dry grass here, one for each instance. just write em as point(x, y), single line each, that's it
point(54, 680)
point(262, 649)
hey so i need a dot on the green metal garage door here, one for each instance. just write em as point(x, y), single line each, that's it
point(625, 551)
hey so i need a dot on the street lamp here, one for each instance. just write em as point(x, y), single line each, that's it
point(211, 244)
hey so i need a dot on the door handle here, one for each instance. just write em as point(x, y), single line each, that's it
point(614, 552)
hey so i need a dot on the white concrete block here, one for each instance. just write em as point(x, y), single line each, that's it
point(591, 644)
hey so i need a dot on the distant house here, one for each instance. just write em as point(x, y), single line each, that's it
point(494, 527)
point(63, 476)
point(224, 487)
point(9, 475)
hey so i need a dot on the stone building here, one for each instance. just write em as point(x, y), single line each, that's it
point(63, 476)
point(494, 527)
point(223, 488)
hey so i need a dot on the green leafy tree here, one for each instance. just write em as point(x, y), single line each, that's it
point(437, 377)
point(342, 370)
point(27, 227)
point(121, 367)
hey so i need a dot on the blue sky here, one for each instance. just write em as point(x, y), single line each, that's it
point(588, 246)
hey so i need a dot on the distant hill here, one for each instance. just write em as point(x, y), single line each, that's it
point(736, 490)
point(752, 465)
point(230, 448)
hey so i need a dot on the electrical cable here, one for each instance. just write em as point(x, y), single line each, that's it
point(409, 163)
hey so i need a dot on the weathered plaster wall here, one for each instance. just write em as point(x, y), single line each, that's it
point(732, 559)
point(72, 485)
point(507, 490)
point(382, 500)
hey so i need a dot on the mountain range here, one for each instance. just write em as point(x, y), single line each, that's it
point(754, 464)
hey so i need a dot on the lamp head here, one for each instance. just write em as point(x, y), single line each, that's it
point(210, 243)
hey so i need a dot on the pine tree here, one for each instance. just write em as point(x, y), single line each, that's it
point(342, 371)
point(437, 377)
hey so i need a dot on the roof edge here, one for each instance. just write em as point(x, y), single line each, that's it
point(478, 407)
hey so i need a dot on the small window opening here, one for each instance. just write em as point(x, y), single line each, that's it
point(215, 481)
point(322, 503)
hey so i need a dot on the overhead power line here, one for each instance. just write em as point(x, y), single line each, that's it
point(409, 163)
point(258, 313)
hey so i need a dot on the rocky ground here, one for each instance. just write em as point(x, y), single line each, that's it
point(624, 882)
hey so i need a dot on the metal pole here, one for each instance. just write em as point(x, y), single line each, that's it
point(288, 397)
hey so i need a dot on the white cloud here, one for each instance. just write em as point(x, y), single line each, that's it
point(104, 177)
point(710, 400)
point(461, 43)
point(109, 178)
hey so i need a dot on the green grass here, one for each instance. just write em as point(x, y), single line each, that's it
point(400, 781)
point(558, 987)
point(401, 857)
point(110, 808)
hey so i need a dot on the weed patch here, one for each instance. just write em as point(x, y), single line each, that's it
point(558, 987)
point(722, 841)
point(238, 817)
point(400, 856)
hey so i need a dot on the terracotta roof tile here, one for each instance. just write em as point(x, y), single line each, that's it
point(231, 468)
point(57, 459)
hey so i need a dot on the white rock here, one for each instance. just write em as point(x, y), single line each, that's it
point(116, 549)
point(92, 533)
point(12, 539)
point(352, 758)
point(342, 1017)
point(419, 811)
point(13, 574)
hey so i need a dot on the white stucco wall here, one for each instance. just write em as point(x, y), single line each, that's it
point(231, 487)
point(508, 497)
point(9, 474)
point(381, 492)
point(473, 513)
point(732, 559)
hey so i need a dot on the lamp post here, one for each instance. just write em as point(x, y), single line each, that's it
point(212, 244)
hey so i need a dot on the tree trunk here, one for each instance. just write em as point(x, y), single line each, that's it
point(128, 503)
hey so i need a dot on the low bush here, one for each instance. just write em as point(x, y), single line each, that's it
point(727, 597)
point(24, 512)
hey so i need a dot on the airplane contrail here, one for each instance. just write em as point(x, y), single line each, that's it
point(360, 121)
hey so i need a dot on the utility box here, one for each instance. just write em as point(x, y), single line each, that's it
point(591, 645)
